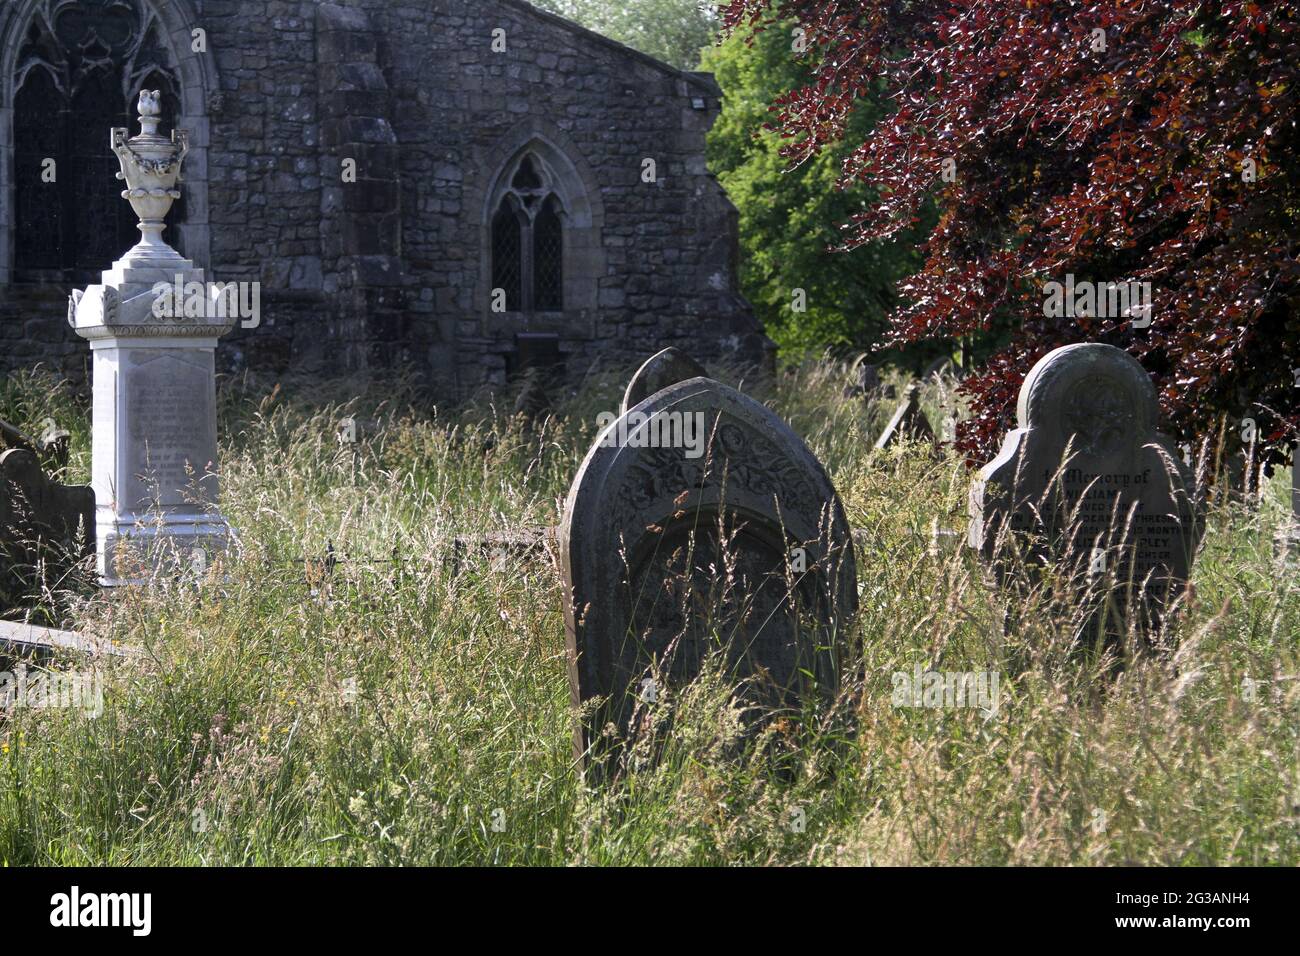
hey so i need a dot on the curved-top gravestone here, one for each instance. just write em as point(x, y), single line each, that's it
point(1091, 481)
point(700, 524)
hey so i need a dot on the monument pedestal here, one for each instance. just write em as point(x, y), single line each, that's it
point(154, 451)
point(154, 422)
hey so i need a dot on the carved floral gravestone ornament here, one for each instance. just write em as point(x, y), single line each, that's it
point(154, 394)
point(700, 527)
point(1090, 485)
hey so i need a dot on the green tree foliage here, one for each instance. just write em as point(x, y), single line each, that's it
point(790, 219)
point(674, 31)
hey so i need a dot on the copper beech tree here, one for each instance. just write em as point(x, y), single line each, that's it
point(1107, 140)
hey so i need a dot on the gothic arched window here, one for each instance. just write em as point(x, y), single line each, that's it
point(507, 251)
point(79, 73)
point(528, 241)
point(548, 257)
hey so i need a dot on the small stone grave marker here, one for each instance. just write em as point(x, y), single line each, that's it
point(908, 422)
point(864, 379)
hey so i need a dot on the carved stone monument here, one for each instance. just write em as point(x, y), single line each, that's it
point(1089, 485)
point(731, 541)
point(154, 394)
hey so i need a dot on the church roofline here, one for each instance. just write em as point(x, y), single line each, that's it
point(704, 81)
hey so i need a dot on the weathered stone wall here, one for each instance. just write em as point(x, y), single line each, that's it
point(392, 270)
point(265, 183)
point(34, 332)
point(666, 274)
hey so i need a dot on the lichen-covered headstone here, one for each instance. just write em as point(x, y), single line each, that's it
point(56, 443)
point(1089, 485)
point(660, 370)
point(700, 527)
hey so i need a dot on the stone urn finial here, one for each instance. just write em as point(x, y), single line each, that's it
point(151, 166)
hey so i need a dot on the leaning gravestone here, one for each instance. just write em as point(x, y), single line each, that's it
point(684, 529)
point(660, 370)
point(865, 383)
point(43, 524)
point(940, 367)
point(908, 422)
point(154, 421)
point(1098, 490)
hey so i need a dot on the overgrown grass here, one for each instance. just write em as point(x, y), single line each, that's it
point(395, 712)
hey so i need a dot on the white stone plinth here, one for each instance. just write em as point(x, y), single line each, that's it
point(154, 455)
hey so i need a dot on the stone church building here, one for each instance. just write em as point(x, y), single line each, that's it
point(456, 188)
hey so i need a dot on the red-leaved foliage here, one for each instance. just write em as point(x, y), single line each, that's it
point(1118, 155)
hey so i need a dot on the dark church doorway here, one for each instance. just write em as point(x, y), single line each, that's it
point(79, 75)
